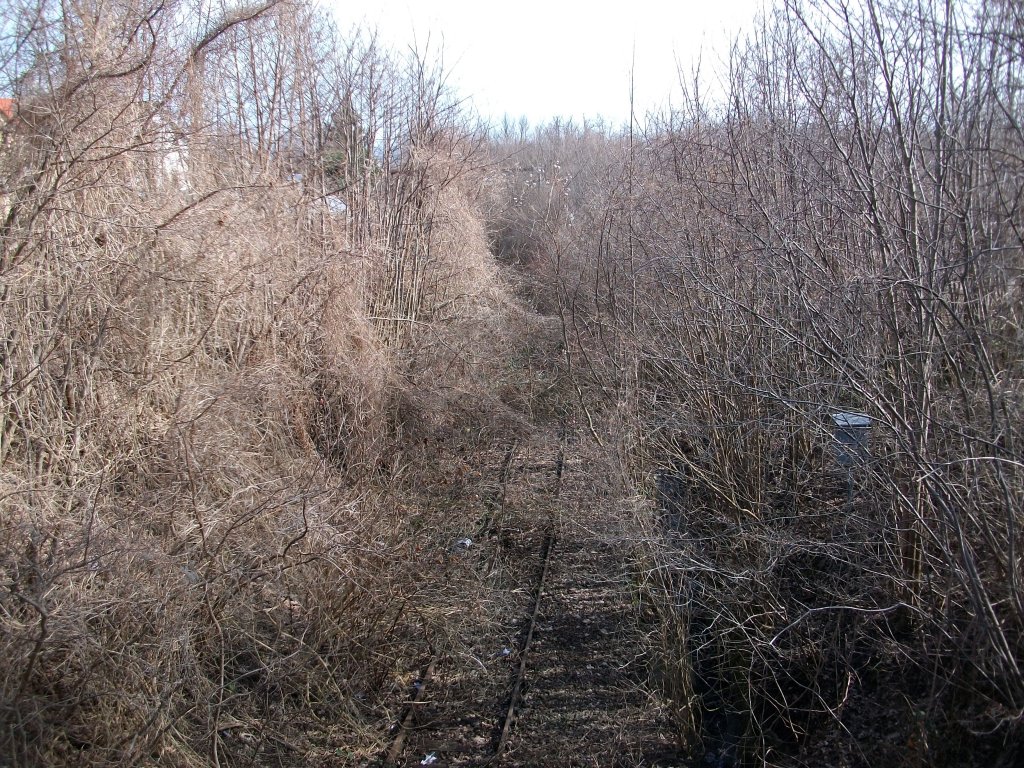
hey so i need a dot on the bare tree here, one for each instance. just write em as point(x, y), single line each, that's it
point(837, 233)
point(220, 223)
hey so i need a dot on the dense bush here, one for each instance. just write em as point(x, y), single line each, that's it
point(241, 264)
point(834, 228)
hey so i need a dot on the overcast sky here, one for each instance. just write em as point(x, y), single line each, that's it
point(558, 57)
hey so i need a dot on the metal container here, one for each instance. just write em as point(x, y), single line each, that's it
point(851, 432)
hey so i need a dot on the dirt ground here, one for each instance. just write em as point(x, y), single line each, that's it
point(561, 677)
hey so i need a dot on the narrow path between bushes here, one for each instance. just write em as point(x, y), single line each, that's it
point(563, 681)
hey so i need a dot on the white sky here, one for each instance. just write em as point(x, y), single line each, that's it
point(560, 57)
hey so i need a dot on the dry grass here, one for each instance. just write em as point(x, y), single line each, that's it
point(215, 542)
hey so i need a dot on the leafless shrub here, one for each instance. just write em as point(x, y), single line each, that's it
point(217, 288)
point(837, 233)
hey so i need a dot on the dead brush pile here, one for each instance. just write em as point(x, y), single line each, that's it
point(206, 539)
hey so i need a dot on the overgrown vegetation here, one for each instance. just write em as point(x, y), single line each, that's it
point(838, 230)
point(263, 293)
point(246, 302)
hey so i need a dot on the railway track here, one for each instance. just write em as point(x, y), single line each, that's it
point(429, 734)
point(533, 704)
point(545, 557)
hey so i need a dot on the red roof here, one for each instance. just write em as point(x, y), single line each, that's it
point(7, 108)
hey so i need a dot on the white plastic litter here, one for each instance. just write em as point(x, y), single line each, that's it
point(430, 759)
point(464, 543)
